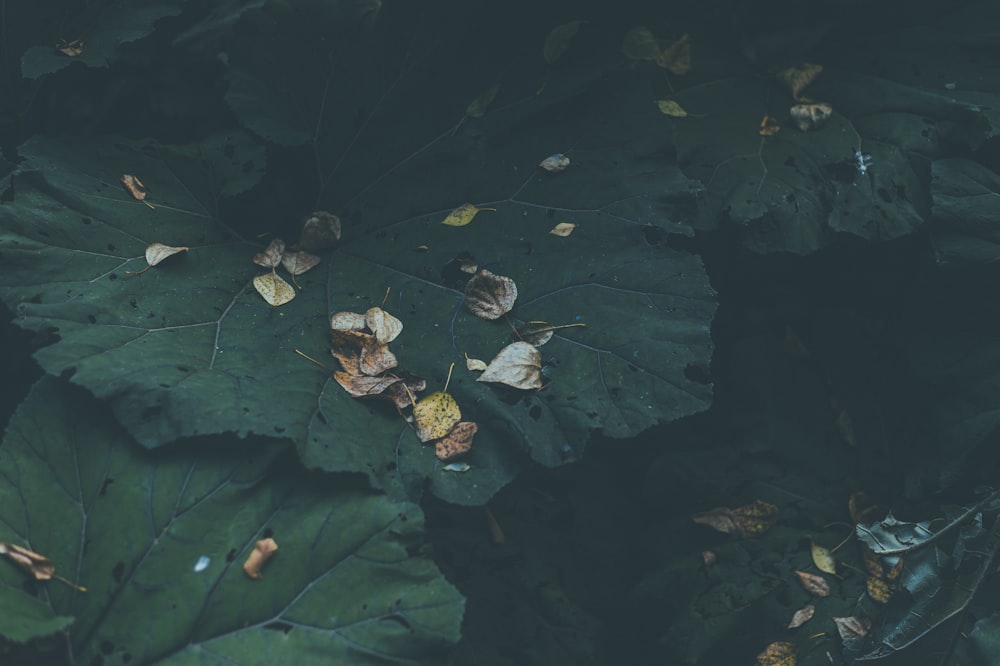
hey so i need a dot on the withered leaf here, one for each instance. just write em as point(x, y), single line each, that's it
point(676, 58)
point(71, 49)
point(39, 566)
point(435, 415)
point(800, 76)
point(823, 559)
point(768, 126)
point(555, 162)
point(719, 519)
point(669, 107)
point(755, 518)
point(320, 231)
point(474, 364)
point(801, 616)
point(271, 256)
point(157, 252)
point(402, 391)
point(297, 263)
point(135, 188)
point(852, 627)
point(361, 386)
point(347, 346)
point(559, 39)
point(814, 584)
point(258, 557)
point(640, 44)
point(461, 216)
point(383, 325)
point(347, 321)
point(536, 332)
point(273, 289)
point(375, 357)
point(878, 589)
point(779, 653)
point(490, 296)
point(519, 364)
point(563, 229)
point(456, 442)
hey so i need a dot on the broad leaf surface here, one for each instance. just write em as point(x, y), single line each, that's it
point(23, 617)
point(188, 348)
point(131, 524)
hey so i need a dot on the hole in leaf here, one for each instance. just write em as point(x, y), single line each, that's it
point(279, 626)
point(118, 571)
point(104, 487)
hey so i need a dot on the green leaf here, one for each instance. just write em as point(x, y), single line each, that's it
point(966, 195)
point(24, 617)
point(131, 526)
point(104, 26)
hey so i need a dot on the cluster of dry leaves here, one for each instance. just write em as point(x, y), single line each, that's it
point(755, 518)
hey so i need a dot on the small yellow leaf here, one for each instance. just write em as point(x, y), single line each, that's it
point(273, 289)
point(462, 215)
point(562, 229)
point(258, 557)
point(435, 415)
point(669, 107)
point(823, 559)
point(768, 126)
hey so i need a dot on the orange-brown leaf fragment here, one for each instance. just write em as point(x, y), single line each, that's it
point(39, 566)
point(519, 364)
point(435, 415)
point(768, 126)
point(852, 627)
point(755, 518)
point(801, 616)
point(271, 256)
point(814, 584)
point(135, 188)
point(258, 557)
point(361, 386)
point(779, 653)
point(878, 589)
point(456, 442)
point(320, 231)
point(490, 296)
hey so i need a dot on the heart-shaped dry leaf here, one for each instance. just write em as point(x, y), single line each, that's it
point(271, 256)
point(383, 325)
point(273, 289)
point(490, 296)
point(519, 364)
point(297, 263)
point(435, 415)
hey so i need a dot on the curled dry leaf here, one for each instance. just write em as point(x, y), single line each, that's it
point(563, 229)
point(800, 76)
point(852, 627)
point(768, 126)
point(348, 321)
point(823, 559)
point(297, 263)
point(814, 584)
point(490, 296)
point(320, 231)
point(640, 44)
point(362, 386)
point(474, 364)
point(271, 256)
point(556, 162)
point(39, 566)
point(383, 325)
point(559, 39)
point(810, 116)
point(519, 364)
point(258, 557)
point(273, 289)
point(676, 58)
point(157, 252)
point(779, 653)
point(135, 188)
point(461, 216)
point(71, 49)
point(435, 415)
point(456, 442)
point(375, 357)
point(801, 616)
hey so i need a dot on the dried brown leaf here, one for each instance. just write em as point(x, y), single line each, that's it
point(719, 519)
point(39, 566)
point(878, 589)
point(401, 392)
point(801, 616)
point(71, 49)
point(490, 296)
point(755, 518)
point(814, 584)
point(297, 263)
point(852, 627)
point(456, 442)
point(375, 357)
point(320, 231)
point(271, 256)
point(768, 126)
point(519, 364)
point(258, 557)
point(361, 386)
point(383, 325)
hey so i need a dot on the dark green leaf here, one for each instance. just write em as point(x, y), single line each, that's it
point(23, 617)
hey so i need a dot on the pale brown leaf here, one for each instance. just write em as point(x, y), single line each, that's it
point(456, 442)
point(271, 256)
point(814, 584)
point(258, 557)
point(852, 627)
point(490, 296)
point(519, 364)
point(801, 616)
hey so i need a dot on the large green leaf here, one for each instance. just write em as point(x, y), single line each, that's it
point(23, 617)
point(345, 585)
point(188, 348)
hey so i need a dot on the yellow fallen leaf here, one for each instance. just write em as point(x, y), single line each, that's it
point(779, 653)
point(273, 289)
point(669, 107)
point(258, 557)
point(462, 215)
point(562, 229)
point(823, 559)
point(435, 415)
